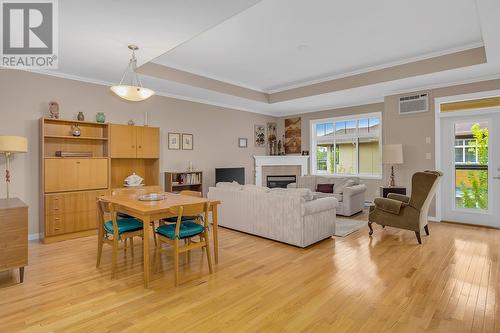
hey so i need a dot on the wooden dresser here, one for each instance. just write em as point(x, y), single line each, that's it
point(14, 235)
point(70, 185)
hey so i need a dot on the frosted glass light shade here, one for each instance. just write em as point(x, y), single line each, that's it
point(13, 144)
point(132, 93)
point(393, 154)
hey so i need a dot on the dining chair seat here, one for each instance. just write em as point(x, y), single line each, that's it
point(187, 229)
point(124, 225)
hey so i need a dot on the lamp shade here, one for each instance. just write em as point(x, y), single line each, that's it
point(13, 144)
point(393, 154)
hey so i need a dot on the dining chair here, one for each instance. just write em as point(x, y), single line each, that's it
point(114, 230)
point(185, 230)
point(184, 218)
point(136, 191)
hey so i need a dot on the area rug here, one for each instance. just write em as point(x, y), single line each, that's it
point(345, 227)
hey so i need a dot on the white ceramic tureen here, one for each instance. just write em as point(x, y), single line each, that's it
point(134, 180)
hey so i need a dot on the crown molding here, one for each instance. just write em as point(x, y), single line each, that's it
point(374, 68)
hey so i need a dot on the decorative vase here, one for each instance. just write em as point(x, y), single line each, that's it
point(100, 117)
point(75, 130)
point(131, 122)
point(80, 116)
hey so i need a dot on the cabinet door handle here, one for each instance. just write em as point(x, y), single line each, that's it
point(77, 162)
point(140, 146)
point(57, 228)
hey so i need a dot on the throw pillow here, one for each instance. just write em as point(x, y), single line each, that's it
point(324, 188)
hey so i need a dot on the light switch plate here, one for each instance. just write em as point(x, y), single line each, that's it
point(428, 139)
point(428, 156)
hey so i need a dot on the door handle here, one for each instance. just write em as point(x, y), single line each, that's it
point(497, 177)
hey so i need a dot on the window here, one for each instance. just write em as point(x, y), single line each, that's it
point(347, 146)
point(466, 151)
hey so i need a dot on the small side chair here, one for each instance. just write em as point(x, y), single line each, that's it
point(185, 230)
point(410, 213)
point(112, 231)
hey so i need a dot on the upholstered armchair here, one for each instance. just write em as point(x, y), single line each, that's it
point(404, 212)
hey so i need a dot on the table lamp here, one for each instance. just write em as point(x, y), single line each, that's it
point(8, 146)
point(392, 154)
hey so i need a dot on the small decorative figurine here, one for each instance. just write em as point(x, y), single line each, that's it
point(54, 110)
point(279, 147)
point(100, 117)
point(75, 130)
point(80, 116)
point(131, 122)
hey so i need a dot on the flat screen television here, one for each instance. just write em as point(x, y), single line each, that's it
point(229, 175)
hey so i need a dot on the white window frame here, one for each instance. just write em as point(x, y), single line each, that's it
point(464, 147)
point(314, 141)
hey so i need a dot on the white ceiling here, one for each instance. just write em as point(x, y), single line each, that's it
point(254, 44)
point(280, 43)
point(94, 34)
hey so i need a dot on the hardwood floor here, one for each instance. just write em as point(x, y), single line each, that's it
point(387, 283)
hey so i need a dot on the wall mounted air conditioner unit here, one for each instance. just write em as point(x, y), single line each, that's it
point(413, 104)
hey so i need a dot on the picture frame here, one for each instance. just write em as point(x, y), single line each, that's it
point(187, 141)
point(260, 135)
point(242, 142)
point(174, 141)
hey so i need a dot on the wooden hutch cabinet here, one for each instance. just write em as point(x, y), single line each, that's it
point(70, 185)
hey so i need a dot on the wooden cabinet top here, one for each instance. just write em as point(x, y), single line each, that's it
point(12, 203)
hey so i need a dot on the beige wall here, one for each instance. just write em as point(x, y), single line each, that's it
point(412, 130)
point(373, 184)
point(409, 130)
point(24, 97)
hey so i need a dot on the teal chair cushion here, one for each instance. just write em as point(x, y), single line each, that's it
point(187, 229)
point(124, 225)
point(184, 218)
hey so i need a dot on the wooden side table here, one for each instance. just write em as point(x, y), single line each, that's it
point(14, 235)
point(385, 190)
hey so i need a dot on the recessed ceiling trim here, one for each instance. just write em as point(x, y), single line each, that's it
point(455, 60)
point(176, 75)
point(374, 68)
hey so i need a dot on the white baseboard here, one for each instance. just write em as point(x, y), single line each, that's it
point(433, 219)
point(34, 236)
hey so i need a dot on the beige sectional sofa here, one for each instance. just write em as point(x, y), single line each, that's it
point(349, 192)
point(291, 216)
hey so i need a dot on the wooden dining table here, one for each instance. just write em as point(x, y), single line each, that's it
point(149, 211)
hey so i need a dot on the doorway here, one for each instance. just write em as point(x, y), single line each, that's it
point(469, 156)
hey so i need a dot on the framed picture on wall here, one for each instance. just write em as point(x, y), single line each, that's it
point(187, 141)
point(174, 141)
point(242, 142)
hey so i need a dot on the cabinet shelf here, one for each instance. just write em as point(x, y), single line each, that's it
point(74, 137)
point(184, 185)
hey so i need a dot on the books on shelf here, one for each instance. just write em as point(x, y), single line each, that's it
point(190, 178)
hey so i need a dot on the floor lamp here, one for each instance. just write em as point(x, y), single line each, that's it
point(8, 146)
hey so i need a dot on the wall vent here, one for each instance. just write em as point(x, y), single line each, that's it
point(414, 104)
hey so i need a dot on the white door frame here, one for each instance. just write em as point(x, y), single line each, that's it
point(437, 128)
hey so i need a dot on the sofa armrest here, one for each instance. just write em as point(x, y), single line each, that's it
point(318, 206)
point(355, 189)
point(398, 197)
point(389, 205)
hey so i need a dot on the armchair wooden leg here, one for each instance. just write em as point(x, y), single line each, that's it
point(21, 274)
point(113, 258)
point(418, 237)
point(371, 229)
point(426, 228)
point(99, 251)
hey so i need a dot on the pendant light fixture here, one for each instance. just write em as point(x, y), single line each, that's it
point(130, 87)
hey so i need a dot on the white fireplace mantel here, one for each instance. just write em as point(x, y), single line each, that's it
point(261, 161)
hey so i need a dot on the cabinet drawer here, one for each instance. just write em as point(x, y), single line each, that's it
point(71, 202)
point(73, 174)
point(70, 222)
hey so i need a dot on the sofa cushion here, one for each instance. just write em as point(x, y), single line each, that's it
point(233, 185)
point(251, 187)
point(337, 196)
point(304, 193)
